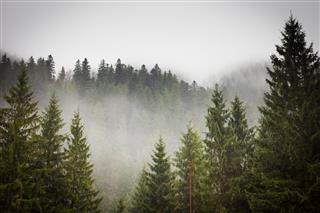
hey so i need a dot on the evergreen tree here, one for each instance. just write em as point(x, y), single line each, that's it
point(19, 123)
point(86, 77)
point(217, 149)
point(53, 177)
point(102, 74)
point(120, 206)
point(5, 68)
point(50, 69)
point(77, 72)
point(139, 203)
point(160, 181)
point(31, 67)
point(62, 75)
point(191, 172)
point(240, 148)
point(285, 173)
point(82, 194)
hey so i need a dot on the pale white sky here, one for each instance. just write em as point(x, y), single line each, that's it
point(193, 39)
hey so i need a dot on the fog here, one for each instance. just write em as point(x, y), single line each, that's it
point(195, 39)
point(122, 130)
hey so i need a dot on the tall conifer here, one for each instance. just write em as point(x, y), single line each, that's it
point(160, 181)
point(82, 194)
point(285, 175)
point(53, 176)
point(191, 172)
point(19, 189)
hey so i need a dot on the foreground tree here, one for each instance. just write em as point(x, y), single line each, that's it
point(53, 177)
point(82, 194)
point(19, 186)
point(285, 175)
point(191, 172)
point(139, 202)
point(160, 181)
point(240, 150)
point(216, 149)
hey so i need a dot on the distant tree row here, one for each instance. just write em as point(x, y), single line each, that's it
point(275, 169)
point(41, 169)
point(108, 80)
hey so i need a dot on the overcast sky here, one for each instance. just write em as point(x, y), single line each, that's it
point(194, 39)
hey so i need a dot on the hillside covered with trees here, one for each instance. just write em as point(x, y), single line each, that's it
point(138, 140)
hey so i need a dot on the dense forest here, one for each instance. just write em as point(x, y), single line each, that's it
point(136, 140)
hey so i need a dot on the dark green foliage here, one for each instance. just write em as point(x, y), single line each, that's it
point(77, 73)
point(278, 171)
point(8, 73)
point(53, 177)
point(82, 76)
point(217, 149)
point(191, 172)
point(285, 173)
point(50, 69)
point(82, 194)
point(120, 206)
point(19, 189)
point(160, 181)
point(239, 152)
point(139, 203)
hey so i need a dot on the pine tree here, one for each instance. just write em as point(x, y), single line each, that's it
point(82, 194)
point(139, 203)
point(53, 177)
point(50, 75)
point(160, 181)
point(120, 75)
point(191, 172)
point(285, 173)
point(18, 150)
point(240, 148)
point(5, 68)
point(77, 72)
point(102, 75)
point(86, 77)
point(120, 206)
point(217, 149)
point(62, 75)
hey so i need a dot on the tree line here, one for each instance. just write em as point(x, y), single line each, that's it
point(273, 167)
point(152, 87)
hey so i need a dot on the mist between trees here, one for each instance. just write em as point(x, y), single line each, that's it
point(206, 149)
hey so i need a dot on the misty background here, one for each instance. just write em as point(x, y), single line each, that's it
point(195, 39)
point(210, 42)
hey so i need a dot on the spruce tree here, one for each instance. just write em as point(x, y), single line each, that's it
point(102, 75)
point(139, 200)
point(77, 75)
point(62, 75)
point(285, 173)
point(120, 75)
point(120, 206)
point(160, 181)
point(53, 177)
point(86, 76)
point(217, 149)
point(82, 194)
point(19, 189)
point(191, 172)
point(50, 75)
point(240, 149)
